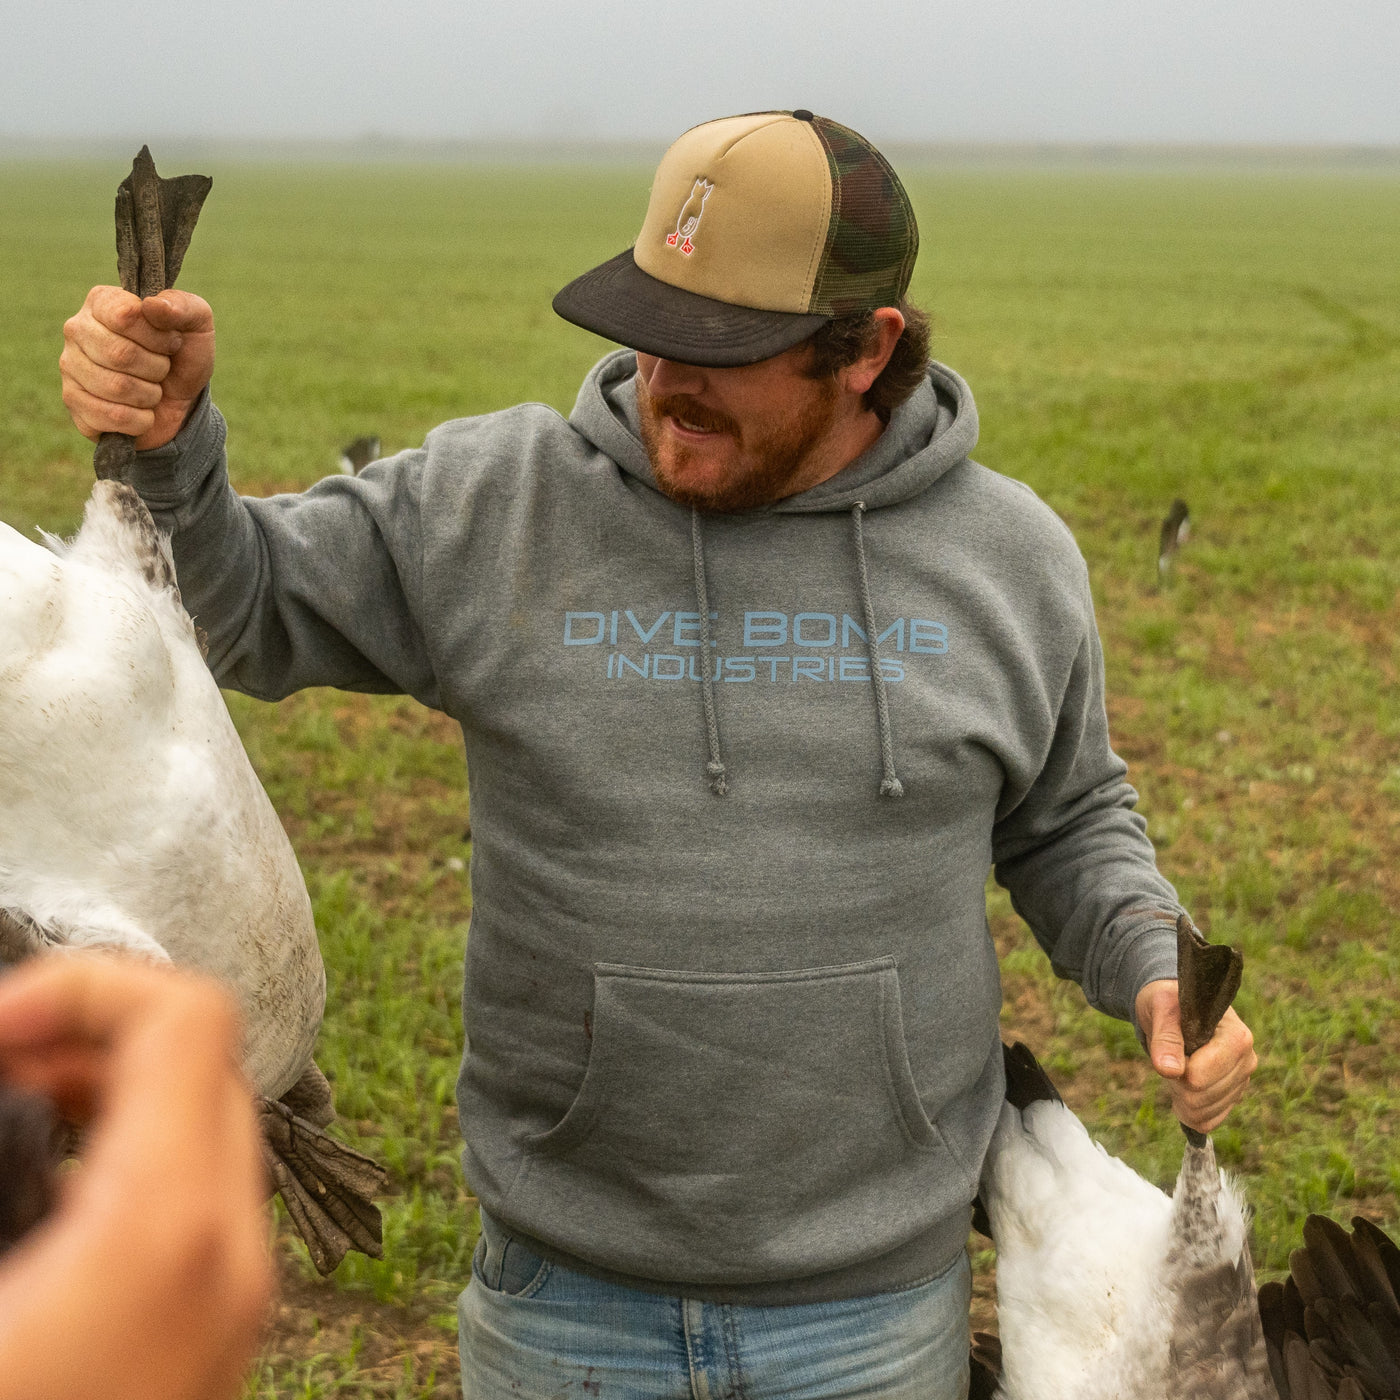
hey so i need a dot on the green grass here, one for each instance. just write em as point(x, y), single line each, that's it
point(1230, 338)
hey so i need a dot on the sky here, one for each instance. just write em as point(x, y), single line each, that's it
point(1056, 71)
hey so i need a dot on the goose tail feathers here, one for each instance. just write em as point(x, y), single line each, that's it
point(119, 535)
point(1026, 1081)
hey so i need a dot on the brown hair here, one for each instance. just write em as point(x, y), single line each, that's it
point(844, 339)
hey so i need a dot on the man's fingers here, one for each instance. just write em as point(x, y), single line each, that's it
point(71, 1075)
point(94, 1031)
point(1222, 1057)
point(93, 416)
point(1235, 1079)
point(108, 350)
point(172, 1162)
point(159, 322)
point(114, 385)
point(180, 313)
point(119, 313)
point(1205, 1123)
point(1207, 1086)
point(1205, 1112)
point(111, 379)
point(1167, 1047)
point(193, 365)
point(1231, 1089)
point(1214, 1084)
point(83, 998)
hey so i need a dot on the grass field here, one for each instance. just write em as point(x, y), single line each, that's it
point(1232, 338)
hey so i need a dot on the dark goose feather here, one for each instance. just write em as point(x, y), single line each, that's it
point(1332, 1328)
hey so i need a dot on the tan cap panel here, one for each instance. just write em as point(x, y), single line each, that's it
point(750, 198)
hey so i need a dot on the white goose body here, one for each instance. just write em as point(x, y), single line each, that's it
point(1107, 1288)
point(131, 816)
point(1080, 1238)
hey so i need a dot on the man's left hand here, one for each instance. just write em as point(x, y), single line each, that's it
point(1207, 1086)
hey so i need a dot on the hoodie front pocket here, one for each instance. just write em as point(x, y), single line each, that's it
point(740, 1128)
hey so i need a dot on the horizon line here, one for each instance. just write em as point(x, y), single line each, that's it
point(582, 150)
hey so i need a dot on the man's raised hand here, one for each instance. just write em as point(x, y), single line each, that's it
point(136, 367)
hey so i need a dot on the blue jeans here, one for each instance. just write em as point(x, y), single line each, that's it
point(531, 1330)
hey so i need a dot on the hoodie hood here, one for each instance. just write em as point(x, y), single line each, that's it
point(930, 432)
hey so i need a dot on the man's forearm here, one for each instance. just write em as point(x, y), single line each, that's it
point(291, 591)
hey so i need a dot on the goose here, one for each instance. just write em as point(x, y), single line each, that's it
point(356, 456)
point(133, 820)
point(1175, 531)
point(1110, 1289)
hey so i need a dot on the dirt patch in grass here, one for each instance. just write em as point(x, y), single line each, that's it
point(319, 1336)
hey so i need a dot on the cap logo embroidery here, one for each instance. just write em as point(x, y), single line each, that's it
point(689, 219)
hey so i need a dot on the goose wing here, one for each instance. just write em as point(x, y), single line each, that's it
point(1333, 1327)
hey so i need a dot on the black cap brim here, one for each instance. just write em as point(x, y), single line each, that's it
point(620, 301)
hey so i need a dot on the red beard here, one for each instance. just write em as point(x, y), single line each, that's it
point(766, 462)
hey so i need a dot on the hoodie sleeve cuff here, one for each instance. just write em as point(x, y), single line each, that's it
point(168, 476)
point(1146, 953)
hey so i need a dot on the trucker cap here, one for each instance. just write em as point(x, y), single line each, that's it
point(759, 230)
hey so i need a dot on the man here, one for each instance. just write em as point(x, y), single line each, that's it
point(150, 1281)
point(758, 676)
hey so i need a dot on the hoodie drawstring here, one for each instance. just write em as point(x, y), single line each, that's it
point(715, 767)
point(890, 786)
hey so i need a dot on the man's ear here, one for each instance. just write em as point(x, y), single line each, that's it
point(889, 326)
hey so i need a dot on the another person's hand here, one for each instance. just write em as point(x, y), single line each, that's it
point(136, 367)
point(151, 1279)
point(1207, 1086)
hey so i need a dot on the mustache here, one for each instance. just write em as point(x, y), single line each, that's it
point(684, 407)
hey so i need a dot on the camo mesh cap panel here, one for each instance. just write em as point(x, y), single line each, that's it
point(872, 239)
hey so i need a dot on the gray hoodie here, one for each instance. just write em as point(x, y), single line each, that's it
point(737, 784)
